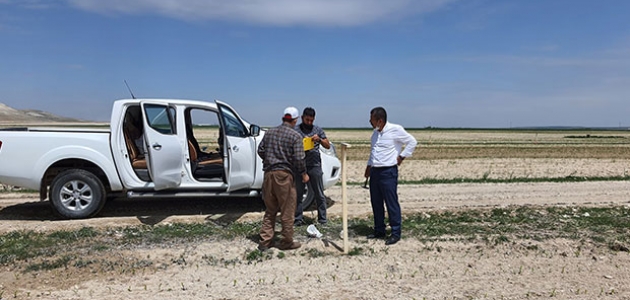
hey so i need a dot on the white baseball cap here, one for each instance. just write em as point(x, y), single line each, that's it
point(291, 112)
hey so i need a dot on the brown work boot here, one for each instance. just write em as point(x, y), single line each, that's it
point(293, 245)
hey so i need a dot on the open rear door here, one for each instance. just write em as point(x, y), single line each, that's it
point(164, 151)
point(239, 146)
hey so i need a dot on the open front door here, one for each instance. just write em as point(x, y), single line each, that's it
point(164, 160)
point(239, 147)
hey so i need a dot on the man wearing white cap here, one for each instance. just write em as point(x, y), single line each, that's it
point(282, 152)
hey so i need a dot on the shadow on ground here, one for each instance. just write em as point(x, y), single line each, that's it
point(221, 211)
point(148, 211)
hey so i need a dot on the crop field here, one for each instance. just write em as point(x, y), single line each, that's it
point(464, 144)
point(474, 155)
point(501, 154)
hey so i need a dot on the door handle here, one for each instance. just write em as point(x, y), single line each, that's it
point(157, 146)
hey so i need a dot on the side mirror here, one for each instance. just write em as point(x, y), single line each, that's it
point(254, 130)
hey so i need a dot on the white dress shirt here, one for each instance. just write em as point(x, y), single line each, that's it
point(388, 144)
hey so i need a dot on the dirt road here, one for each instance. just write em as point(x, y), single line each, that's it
point(24, 211)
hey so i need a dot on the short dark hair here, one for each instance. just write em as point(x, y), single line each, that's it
point(309, 111)
point(379, 113)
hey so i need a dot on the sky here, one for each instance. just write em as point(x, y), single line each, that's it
point(438, 63)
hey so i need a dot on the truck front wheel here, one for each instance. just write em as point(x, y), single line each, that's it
point(77, 194)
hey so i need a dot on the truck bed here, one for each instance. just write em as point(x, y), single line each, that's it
point(58, 129)
point(26, 153)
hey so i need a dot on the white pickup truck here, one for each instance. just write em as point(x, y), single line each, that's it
point(154, 148)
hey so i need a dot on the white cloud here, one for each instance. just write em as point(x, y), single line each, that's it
point(270, 12)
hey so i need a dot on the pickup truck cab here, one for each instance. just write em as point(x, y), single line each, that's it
point(153, 148)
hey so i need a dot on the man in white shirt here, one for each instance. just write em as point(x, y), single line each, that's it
point(386, 155)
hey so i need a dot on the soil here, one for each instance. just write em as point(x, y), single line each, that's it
point(411, 269)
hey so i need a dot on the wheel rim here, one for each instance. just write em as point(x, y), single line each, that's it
point(306, 201)
point(76, 195)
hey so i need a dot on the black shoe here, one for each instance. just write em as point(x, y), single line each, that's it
point(392, 240)
point(376, 235)
point(298, 223)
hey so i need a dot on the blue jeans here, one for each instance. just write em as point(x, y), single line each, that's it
point(383, 190)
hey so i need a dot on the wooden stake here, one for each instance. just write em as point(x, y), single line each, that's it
point(344, 200)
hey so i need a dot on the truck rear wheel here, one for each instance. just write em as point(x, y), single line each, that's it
point(77, 194)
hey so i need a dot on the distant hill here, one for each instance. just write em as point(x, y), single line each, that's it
point(12, 115)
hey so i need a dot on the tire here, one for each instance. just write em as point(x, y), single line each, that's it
point(261, 200)
point(77, 194)
point(308, 199)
